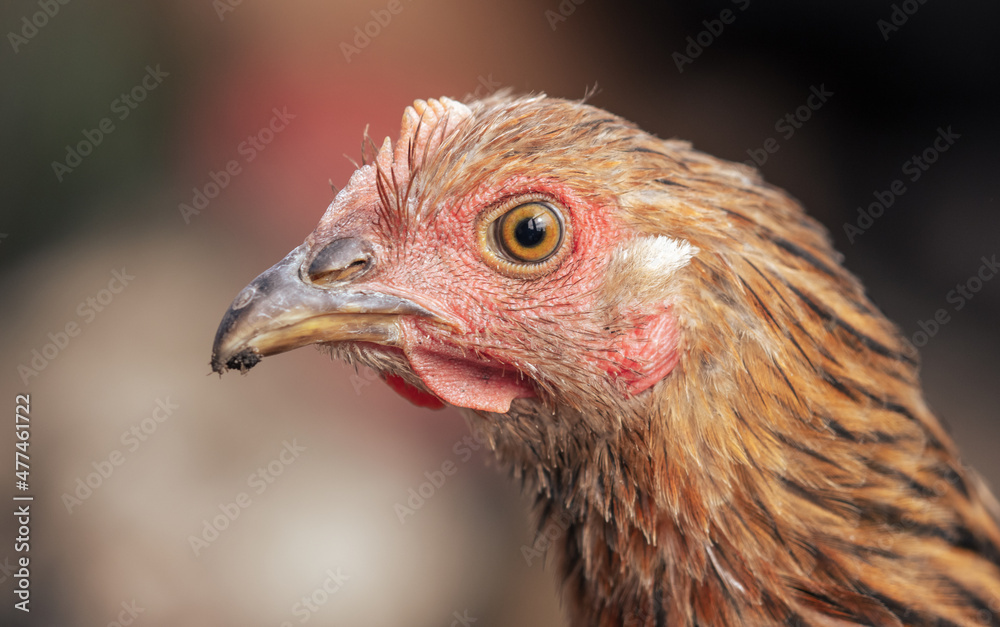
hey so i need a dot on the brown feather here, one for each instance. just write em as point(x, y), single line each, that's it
point(788, 470)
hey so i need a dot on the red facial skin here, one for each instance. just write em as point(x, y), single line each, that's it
point(487, 359)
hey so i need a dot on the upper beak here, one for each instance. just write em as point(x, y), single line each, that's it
point(283, 309)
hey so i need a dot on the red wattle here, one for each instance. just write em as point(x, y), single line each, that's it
point(413, 394)
point(478, 384)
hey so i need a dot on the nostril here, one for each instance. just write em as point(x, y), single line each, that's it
point(341, 259)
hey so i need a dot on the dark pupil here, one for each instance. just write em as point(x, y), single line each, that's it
point(530, 232)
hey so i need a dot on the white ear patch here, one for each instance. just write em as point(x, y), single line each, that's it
point(647, 263)
point(658, 256)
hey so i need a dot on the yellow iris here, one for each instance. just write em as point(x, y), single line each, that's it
point(530, 232)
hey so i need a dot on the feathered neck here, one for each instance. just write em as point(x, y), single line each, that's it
point(786, 472)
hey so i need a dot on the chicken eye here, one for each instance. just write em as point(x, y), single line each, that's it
point(525, 236)
point(529, 233)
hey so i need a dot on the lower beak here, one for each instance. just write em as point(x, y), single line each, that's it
point(279, 311)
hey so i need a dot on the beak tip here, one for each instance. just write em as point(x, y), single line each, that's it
point(242, 361)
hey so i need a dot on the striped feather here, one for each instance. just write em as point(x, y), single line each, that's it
point(788, 470)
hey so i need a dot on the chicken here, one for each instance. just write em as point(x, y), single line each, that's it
point(664, 349)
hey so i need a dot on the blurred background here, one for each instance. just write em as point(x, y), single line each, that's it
point(165, 496)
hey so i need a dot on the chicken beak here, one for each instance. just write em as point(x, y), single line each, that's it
point(280, 310)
